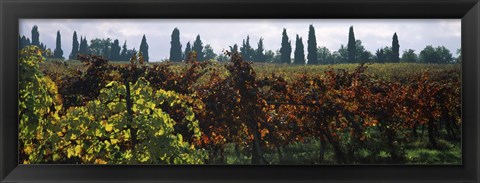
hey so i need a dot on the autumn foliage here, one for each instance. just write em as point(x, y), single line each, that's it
point(210, 107)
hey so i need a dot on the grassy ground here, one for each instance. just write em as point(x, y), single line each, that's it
point(416, 152)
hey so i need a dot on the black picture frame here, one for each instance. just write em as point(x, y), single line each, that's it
point(467, 10)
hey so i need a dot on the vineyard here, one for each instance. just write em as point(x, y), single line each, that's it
point(95, 112)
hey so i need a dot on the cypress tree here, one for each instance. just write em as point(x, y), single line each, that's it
point(20, 42)
point(35, 36)
point(242, 50)
point(312, 46)
point(395, 48)
point(144, 48)
point(23, 42)
point(87, 48)
point(43, 47)
point(259, 53)
point(73, 54)
point(115, 51)
point(234, 48)
point(80, 47)
point(299, 56)
point(188, 49)
point(286, 49)
point(249, 49)
point(380, 55)
point(106, 49)
point(58, 52)
point(130, 54)
point(246, 50)
point(83, 46)
point(124, 54)
point(198, 48)
point(351, 47)
point(176, 47)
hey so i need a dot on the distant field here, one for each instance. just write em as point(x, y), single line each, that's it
point(387, 71)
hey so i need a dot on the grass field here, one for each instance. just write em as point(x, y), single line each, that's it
point(386, 71)
point(297, 153)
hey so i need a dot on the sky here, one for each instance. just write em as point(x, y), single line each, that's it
point(221, 33)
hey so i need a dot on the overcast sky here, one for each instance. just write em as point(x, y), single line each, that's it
point(221, 33)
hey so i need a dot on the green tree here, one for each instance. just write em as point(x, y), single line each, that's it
point(444, 54)
point(58, 52)
point(395, 49)
point(324, 56)
point(23, 42)
point(83, 46)
point(144, 49)
point(130, 53)
point(380, 56)
point(351, 46)
point(175, 46)
point(277, 57)
point(366, 56)
point(312, 46)
point(438, 55)
point(222, 57)
point(286, 49)
point(234, 48)
point(299, 55)
point(75, 44)
point(259, 52)
point(409, 56)
point(383, 55)
point(198, 48)
point(115, 50)
point(246, 50)
point(124, 54)
point(100, 47)
point(106, 50)
point(388, 54)
point(44, 47)
point(188, 49)
point(360, 52)
point(208, 52)
point(428, 55)
point(269, 56)
point(36, 36)
point(341, 55)
point(459, 58)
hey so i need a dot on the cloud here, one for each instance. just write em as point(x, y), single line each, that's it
point(222, 33)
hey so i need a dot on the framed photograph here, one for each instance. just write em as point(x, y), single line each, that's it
point(235, 91)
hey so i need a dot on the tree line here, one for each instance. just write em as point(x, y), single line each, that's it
point(353, 52)
point(107, 48)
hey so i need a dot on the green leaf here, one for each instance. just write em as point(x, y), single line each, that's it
point(110, 84)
